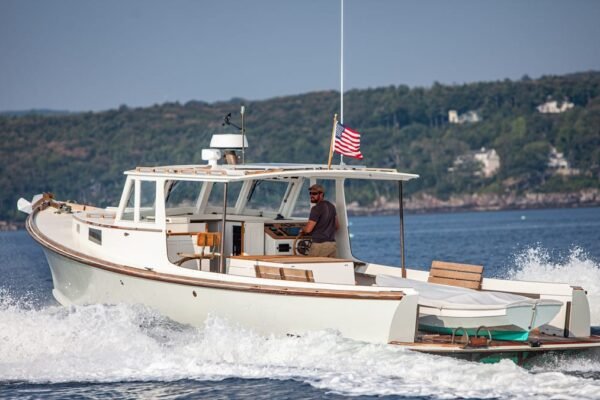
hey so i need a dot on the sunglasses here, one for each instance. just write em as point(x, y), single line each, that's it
point(314, 193)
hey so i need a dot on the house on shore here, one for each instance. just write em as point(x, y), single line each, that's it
point(554, 107)
point(559, 165)
point(468, 117)
point(487, 161)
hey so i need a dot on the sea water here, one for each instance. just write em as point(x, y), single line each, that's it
point(118, 351)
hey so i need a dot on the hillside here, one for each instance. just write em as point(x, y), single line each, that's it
point(82, 156)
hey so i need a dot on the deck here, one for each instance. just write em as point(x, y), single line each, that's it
point(520, 352)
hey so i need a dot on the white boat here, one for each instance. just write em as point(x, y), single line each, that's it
point(451, 309)
point(197, 240)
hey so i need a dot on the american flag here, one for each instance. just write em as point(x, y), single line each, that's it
point(347, 141)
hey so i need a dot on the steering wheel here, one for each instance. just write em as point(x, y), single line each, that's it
point(302, 245)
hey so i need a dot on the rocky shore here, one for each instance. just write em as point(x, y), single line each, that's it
point(424, 203)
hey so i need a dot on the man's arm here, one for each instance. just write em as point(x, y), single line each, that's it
point(308, 228)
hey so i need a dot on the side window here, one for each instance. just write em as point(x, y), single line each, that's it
point(129, 207)
point(147, 201)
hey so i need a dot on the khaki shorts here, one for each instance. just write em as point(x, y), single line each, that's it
point(325, 249)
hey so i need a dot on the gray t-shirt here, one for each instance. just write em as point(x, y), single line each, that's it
point(323, 213)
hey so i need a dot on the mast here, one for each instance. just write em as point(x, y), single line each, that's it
point(342, 64)
point(342, 70)
point(242, 109)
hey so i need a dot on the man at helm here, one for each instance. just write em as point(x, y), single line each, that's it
point(322, 224)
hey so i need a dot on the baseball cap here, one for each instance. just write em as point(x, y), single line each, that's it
point(316, 188)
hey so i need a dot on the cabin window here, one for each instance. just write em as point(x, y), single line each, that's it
point(95, 235)
point(147, 201)
point(267, 195)
point(215, 199)
point(182, 196)
point(128, 212)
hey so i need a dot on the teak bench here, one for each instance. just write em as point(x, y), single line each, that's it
point(286, 274)
point(454, 274)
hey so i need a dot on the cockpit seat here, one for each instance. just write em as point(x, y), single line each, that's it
point(209, 243)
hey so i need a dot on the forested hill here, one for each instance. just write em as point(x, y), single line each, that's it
point(82, 156)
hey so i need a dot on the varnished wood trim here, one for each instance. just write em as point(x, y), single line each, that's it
point(286, 259)
point(454, 274)
point(450, 266)
point(169, 233)
point(200, 282)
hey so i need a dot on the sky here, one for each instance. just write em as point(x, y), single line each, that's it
point(92, 55)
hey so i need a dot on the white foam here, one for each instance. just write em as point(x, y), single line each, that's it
point(535, 264)
point(126, 343)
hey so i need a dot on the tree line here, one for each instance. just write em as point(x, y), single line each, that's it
point(82, 156)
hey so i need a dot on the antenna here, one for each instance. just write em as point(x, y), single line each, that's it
point(242, 111)
point(227, 121)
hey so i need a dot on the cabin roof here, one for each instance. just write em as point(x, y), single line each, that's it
point(234, 173)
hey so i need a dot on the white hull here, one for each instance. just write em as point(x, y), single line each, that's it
point(379, 321)
point(446, 309)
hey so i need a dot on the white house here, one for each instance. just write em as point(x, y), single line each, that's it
point(488, 159)
point(560, 165)
point(552, 107)
point(468, 117)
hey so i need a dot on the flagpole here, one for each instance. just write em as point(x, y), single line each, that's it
point(342, 70)
point(332, 141)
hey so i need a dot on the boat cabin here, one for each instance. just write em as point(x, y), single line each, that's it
point(231, 218)
point(227, 218)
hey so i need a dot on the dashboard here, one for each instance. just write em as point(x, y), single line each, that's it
point(286, 230)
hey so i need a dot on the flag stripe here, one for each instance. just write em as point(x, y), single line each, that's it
point(345, 147)
point(347, 141)
point(350, 141)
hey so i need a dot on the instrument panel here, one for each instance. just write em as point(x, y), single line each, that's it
point(286, 230)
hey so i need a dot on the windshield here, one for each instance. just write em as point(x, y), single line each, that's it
point(266, 196)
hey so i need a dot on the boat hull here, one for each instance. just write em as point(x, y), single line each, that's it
point(371, 320)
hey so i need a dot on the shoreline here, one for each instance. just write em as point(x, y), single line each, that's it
point(427, 204)
point(421, 211)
